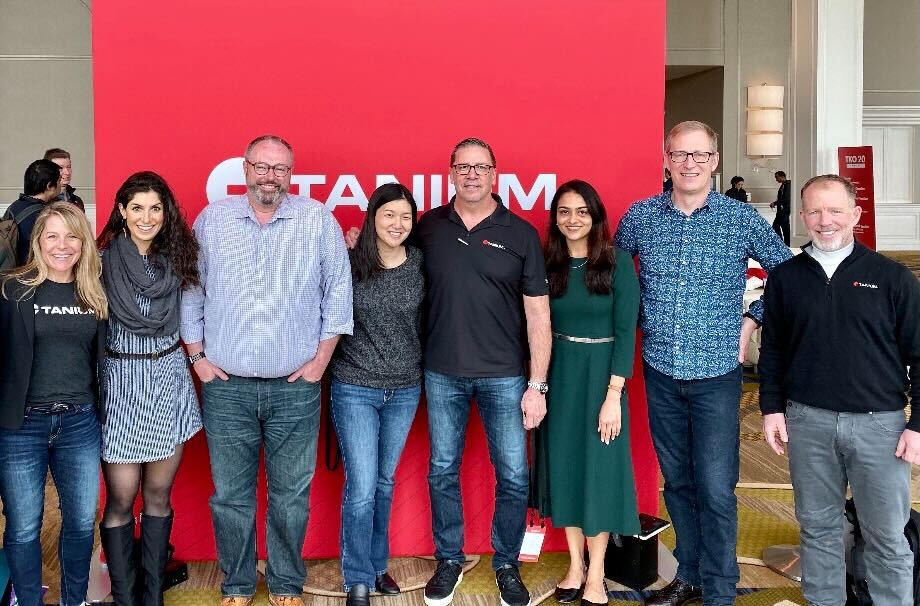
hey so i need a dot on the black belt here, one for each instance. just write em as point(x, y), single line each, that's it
point(50, 408)
point(118, 355)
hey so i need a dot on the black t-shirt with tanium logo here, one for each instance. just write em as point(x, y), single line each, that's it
point(476, 280)
point(62, 363)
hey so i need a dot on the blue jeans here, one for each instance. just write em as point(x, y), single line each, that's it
point(68, 443)
point(695, 429)
point(239, 416)
point(372, 425)
point(499, 402)
point(827, 450)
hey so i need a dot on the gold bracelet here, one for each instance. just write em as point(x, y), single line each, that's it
point(615, 388)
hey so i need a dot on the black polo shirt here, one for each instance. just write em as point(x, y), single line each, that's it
point(476, 280)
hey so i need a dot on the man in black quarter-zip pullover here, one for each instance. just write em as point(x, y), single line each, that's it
point(841, 330)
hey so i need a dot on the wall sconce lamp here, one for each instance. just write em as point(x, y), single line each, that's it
point(764, 123)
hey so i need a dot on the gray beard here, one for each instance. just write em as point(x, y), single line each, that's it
point(266, 200)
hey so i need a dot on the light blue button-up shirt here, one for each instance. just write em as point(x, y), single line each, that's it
point(692, 274)
point(269, 293)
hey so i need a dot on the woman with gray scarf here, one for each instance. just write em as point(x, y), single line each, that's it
point(149, 256)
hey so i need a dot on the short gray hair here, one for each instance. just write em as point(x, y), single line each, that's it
point(828, 179)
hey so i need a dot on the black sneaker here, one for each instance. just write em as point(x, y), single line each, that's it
point(511, 587)
point(439, 590)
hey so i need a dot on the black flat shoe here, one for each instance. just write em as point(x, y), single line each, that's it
point(568, 595)
point(358, 595)
point(585, 602)
point(386, 585)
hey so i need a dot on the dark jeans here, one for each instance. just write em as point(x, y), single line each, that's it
point(499, 402)
point(68, 443)
point(781, 227)
point(695, 429)
point(371, 425)
point(239, 416)
point(827, 450)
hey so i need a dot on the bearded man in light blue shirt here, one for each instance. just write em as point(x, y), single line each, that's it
point(275, 296)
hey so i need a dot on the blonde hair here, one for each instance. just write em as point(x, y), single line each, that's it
point(87, 271)
point(690, 126)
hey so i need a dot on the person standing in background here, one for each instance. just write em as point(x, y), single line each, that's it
point(41, 185)
point(61, 157)
point(736, 191)
point(783, 206)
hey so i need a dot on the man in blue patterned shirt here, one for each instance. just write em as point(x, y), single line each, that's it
point(693, 246)
point(275, 295)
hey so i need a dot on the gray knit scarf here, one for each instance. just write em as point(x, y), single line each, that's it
point(124, 276)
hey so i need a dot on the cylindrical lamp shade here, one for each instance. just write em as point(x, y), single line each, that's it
point(768, 144)
point(765, 120)
point(765, 96)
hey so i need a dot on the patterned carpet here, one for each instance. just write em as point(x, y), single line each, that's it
point(761, 466)
point(910, 258)
point(477, 589)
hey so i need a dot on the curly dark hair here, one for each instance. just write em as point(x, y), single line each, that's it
point(175, 240)
point(601, 260)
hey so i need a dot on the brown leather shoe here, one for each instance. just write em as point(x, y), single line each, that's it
point(285, 600)
point(236, 600)
point(675, 593)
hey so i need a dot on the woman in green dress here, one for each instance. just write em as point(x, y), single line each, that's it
point(584, 448)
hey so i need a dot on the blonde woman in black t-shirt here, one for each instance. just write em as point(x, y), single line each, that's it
point(52, 335)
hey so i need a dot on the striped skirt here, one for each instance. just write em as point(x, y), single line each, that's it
point(151, 405)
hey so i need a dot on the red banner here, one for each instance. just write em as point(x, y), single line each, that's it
point(856, 165)
point(369, 92)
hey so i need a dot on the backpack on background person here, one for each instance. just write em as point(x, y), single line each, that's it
point(9, 235)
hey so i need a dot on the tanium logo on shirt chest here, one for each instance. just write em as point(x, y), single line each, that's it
point(494, 244)
point(865, 285)
point(52, 310)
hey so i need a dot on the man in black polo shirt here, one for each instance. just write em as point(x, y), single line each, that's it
point(486, 280)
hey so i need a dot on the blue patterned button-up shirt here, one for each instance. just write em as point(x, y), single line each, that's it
point(692, 272)
point(270, 293)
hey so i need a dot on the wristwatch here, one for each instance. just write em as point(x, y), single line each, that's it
point(541, 387)
point(196, 357)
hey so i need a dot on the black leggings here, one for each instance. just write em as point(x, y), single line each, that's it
point(122, 480)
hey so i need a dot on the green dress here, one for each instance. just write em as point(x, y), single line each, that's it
point(582, 481)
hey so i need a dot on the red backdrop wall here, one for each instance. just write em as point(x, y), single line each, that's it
point(366, 92)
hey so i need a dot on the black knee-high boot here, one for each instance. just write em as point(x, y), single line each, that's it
point(154, 552)
point(118, 543)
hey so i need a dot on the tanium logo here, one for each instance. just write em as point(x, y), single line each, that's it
point(227, 178)
point(864, 285)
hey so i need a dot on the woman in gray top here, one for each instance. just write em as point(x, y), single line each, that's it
point(376, 385)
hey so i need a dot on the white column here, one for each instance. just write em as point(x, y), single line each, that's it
point(839, 79)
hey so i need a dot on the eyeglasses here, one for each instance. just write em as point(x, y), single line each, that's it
point(700, 157)
point(261, 168)
point(464, 169)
